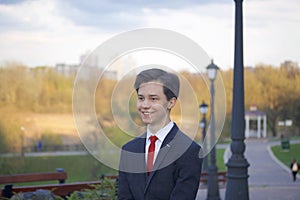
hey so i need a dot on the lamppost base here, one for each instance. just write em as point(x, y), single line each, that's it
point(237, 178)
point(213, 185)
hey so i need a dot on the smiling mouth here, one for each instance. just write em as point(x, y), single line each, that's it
point(146, 113)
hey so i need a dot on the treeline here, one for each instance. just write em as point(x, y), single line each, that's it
point(38, 89)
point(25, 90)
point(272, 89)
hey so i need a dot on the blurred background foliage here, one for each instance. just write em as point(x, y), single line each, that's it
point(23, 91)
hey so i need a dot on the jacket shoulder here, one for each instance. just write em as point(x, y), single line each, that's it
point(187, 140)
point(134, 145)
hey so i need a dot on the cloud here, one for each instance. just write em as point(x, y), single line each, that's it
point(49, 31)
point(30, 16)
point(99, 15)
point(114, 6)
point(271, 31)
point(211, 30)
point(117, 15)
point(9, 2)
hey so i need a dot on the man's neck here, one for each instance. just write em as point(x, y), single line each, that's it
point(155, 128)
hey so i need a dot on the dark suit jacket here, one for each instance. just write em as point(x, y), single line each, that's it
point(176, 171)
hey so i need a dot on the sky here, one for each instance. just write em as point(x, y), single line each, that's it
point(46, 32)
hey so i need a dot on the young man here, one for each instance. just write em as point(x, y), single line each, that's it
point(163, 163)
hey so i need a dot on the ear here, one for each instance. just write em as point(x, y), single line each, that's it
point(172, 103)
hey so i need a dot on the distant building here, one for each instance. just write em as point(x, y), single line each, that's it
point(66, 69)
point(256, 123)
point(289, 64)
point(112, 75)
point(249, 68)
point(89, 60)
point(291, 68)
point(91, 67)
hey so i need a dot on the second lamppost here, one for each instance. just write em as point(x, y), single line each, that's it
point(213, 185)
point(203, 110)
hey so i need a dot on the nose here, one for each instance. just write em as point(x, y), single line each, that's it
point(146, 103)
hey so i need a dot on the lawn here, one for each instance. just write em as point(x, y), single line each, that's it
point(78, 168)
point(220, 159)
point(287, 156)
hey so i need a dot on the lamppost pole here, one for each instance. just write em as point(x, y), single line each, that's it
point(203, 109)
point(237, 165)
point(213, 185)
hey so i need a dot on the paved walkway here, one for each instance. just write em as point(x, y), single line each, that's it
point(268, 178)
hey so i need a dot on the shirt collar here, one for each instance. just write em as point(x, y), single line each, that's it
point(162, 133)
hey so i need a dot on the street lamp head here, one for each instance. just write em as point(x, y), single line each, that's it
point(202, 123)
point(212, 71)
point(203, 108)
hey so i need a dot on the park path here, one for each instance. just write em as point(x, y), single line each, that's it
point(264, 170)
point(268, 178)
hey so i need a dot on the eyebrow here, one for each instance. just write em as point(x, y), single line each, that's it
point(151, 95)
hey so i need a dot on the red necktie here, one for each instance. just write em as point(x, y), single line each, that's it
point(151, 151)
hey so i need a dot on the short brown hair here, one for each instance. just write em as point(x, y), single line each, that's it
point(170, 81)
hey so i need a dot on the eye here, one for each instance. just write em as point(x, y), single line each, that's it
point(140, 98)
point(154, 98)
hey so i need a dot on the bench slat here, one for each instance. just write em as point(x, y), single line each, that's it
point(221, 177)
point(58, 189)
point(66, 189)
point(21, 178)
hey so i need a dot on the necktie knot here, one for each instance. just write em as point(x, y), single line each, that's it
point(153, 138)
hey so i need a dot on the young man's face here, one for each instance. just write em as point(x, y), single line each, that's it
point(152, 104)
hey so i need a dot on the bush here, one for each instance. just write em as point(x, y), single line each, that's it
point(37, 195)
point(50, 140)
point(106, 190)
point(11, 136)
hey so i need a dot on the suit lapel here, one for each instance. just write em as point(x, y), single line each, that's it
point(164, 149)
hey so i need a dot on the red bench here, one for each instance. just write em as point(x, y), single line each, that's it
point(221, 178)
point(9, 180)
point(57, 189)
point(35, 177)
point(61, 189)
point(203, 180)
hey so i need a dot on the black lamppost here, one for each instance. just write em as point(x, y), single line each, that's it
point(203, 109)
point(213, 185)
point(237, 165)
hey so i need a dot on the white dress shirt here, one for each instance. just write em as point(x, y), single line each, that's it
point(161, 135)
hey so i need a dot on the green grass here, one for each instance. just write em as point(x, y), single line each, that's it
point(78, 168)
point(220, 160)
point(287, 156)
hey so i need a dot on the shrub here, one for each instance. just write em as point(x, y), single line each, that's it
point(106, 190)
